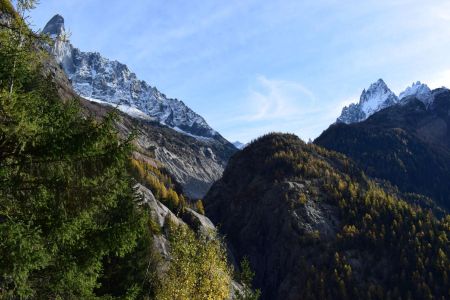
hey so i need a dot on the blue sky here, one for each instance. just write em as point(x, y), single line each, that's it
point(253, 66)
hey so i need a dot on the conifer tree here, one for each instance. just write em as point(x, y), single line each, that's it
point(67, 205)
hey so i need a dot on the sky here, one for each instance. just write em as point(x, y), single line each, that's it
point(251, 66)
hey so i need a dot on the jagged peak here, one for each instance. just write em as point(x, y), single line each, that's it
point(378, 96)
point(379, 88)
point(373, 99)
point(55, 26)
point(417, 90)
point(378, 83)
point(139, 101)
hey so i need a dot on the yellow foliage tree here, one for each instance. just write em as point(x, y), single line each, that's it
point(198, 269)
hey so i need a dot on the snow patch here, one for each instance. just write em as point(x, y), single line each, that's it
point(131, 111)
point(202, 138)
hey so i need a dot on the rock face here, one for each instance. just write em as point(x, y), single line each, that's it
point(194, 163)
point(407, 144)
point(100, 79)
point(169, 132)
point(378, 97)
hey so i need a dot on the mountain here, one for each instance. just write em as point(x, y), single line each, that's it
point(419, 91)
point(99, 79)
point(239, 145)
point(192, 162)
point(169, 134)
point(314, 227)
point(407, 144)
point(85, 214)
point(378, 96)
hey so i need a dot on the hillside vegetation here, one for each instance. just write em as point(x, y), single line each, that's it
point(314, 227)
point(408, 145)
point(71, 223)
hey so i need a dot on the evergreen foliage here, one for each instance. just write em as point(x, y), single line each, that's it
point(67, 206)
point(245, 277)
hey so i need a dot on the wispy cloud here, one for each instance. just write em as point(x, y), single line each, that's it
point(281, 105)
point(274, 99)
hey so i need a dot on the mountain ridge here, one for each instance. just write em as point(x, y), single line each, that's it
point(193, 153)
point(102, 80)
point(378, 96)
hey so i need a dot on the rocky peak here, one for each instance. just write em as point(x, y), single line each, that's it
point(55, 27)
point(375, 88)
point(101, 80)
point(377, 97)
point(417, 90)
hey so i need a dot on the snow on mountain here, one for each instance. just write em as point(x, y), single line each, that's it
point(129, 110)
point(375, 98)
point(418, 90)
point(378, 96)
point(239, 145)
point(100, 79)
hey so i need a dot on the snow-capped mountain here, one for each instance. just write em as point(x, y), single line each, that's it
point(418, 90)
point(375, 98)
point(239, 145)
point(102, 80)
point(378, 96)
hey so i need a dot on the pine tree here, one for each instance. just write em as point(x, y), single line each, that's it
point(67, 204)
